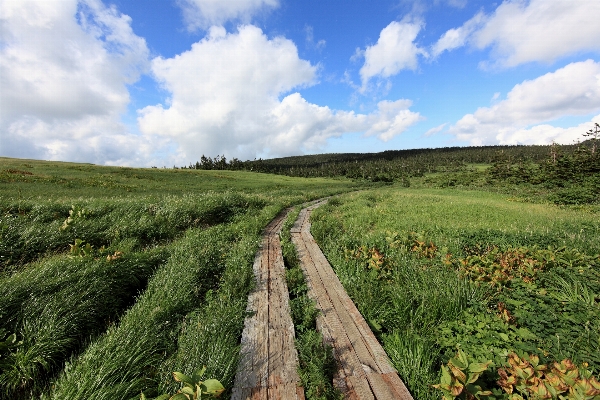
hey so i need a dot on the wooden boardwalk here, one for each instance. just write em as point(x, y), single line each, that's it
point(269, 360)
point(365, 371)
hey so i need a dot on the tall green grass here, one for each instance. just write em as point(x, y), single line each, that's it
point(177, 292)
point(32, 229)
point(127, 359)
point(421, 309)
point(210, 334)
point(56, 305)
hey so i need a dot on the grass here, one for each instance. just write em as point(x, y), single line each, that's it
point(126, 360)
point(35, 229)
point(316, 363)
point(164, 286)
point(389, 247)
point(49, 180)
point(56, 305)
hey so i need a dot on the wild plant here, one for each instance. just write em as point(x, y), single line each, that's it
point(194, 388)
point(460, 378)
point(8, 343)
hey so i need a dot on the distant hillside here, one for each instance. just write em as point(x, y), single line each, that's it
point(385, 166)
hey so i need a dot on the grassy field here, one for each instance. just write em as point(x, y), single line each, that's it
point(434, 271)
point(112, 278)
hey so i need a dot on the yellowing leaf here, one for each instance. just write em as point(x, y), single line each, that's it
point(180, 396)
point(179, 377)
point(213, 386)
point(479, 367)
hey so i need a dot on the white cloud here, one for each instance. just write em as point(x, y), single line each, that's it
point(434, 130)
point(573, 90)
point(524, 31)
point(228, 96)
point(202, 14)
point(64, 71)
point(457, 3)
point(391, 119)
point(310, 39)
point(394, 51)
point(545, 134)
point(455, 38)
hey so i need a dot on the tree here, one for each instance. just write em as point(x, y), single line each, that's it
point(594, 135)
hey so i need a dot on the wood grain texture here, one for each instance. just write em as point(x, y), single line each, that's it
point(268, 358)
point(364, 370)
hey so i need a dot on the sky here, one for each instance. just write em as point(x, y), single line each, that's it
point(161, 83)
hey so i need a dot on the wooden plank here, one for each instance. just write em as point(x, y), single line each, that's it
point(345, 324)
point(260, 364)
point(268, 366)
point(365, 371)
point(359, 388)
point(343, 350)
point(369, 350)
point(345, 312)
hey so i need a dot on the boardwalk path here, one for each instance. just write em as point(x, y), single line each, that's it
point(365, 371)
point(268, 366)
point(269, 360)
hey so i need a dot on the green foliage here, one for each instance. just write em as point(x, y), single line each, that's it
point(484, 335)
point(194, 388)
point(79, 249)
point(472, 278)
point(385, 167)
point(574, 195)
point(8, 343)
point(460, 378)
point(568, 176)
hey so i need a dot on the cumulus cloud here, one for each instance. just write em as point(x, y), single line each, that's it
point(232, 94)
point(394, 51)
point(202, 14)
point(391, 119)
point(546, 134)
point(64, 71)
point(457, 37)
point(524, 31)
point(569, 91)
point(434, 130)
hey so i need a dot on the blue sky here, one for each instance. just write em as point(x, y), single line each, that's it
point(140, 83)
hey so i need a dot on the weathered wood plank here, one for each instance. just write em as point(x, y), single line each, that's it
point(365, 371)
point(268, 366)
point(348, 314)
point(341, 344)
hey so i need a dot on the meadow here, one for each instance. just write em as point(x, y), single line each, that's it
point(112, 278)
point(435, 271)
